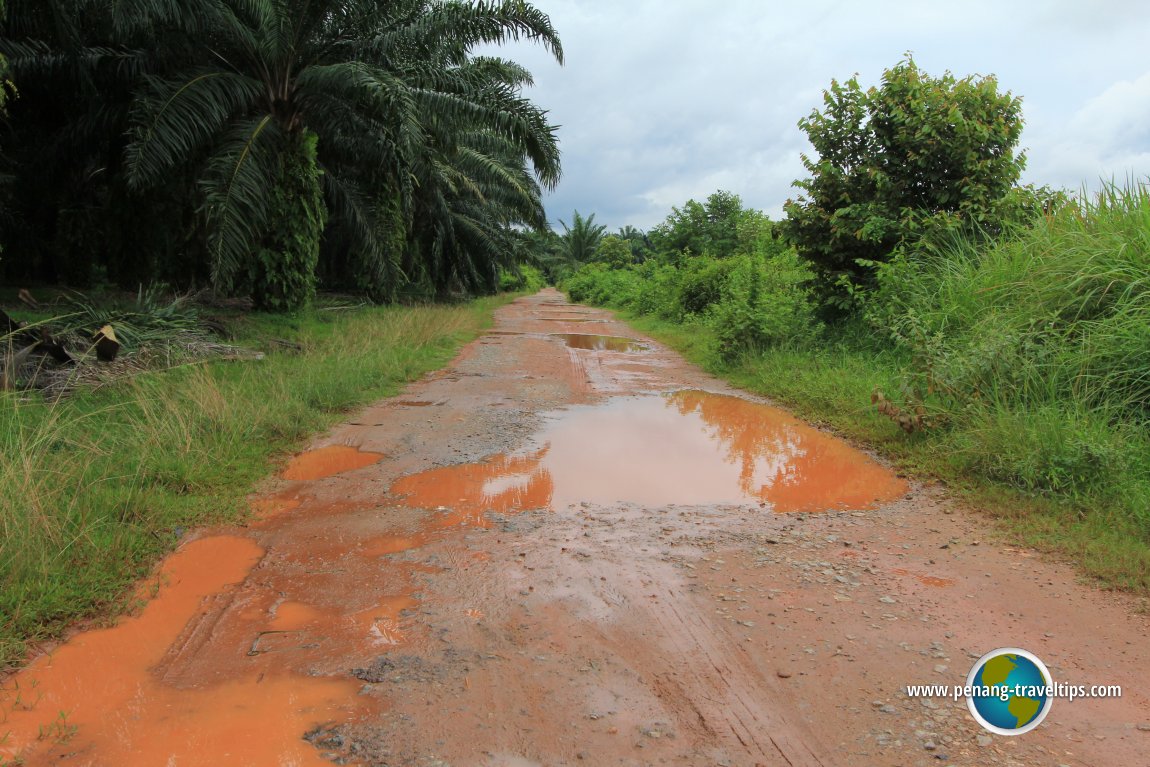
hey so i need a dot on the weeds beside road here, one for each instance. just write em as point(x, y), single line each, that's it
point(96, 487)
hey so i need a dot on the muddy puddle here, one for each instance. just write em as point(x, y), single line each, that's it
point(328, 461)
point(685, 448)
point(100, 699)
point(601, 343)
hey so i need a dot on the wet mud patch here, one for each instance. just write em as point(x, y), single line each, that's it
point(267, 508)
point(327, 462)
point(99, 696)
point(601, 343)
point(687, 447)
point(465, 494)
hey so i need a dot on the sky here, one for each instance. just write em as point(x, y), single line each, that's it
point(662, 101)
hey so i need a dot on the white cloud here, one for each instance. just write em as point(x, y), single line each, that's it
point(664, 101)
point(1107, 138)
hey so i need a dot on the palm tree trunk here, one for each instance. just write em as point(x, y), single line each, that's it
point(284, 269)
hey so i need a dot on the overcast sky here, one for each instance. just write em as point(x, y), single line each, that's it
point(662, 101)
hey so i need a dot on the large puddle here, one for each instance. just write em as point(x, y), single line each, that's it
point(600, 343)
point(99, 698)
point(686, 448)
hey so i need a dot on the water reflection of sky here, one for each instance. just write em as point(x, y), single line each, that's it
point(695, 447)
point(687, 448)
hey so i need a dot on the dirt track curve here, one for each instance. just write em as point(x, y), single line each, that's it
point(571, 547)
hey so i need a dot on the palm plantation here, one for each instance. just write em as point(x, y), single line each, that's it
point(359, 141)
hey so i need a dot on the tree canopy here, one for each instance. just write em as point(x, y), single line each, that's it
point(894, 161)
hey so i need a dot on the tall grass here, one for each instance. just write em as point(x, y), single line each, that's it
point(94, 487)
point(1058, 311)
point(1034, 351)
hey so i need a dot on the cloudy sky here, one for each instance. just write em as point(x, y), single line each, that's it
point(662, 101)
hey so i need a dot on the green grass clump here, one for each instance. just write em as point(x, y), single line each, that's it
point(95, 487)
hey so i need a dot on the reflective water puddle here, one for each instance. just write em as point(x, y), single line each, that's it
point(99, 697)
point(601, 343)
point(327, 462)
point(687, 448)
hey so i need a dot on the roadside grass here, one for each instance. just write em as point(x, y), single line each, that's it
point(96, 487)
point(1100, 531)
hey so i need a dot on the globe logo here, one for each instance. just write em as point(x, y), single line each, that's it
point(1010, 691)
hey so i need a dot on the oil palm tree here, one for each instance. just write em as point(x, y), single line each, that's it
point(289, 108)
point(581, 238)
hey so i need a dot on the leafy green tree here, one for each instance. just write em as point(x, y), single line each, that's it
point(615, 252)
point(900, 160)
point(581, 239)
point(707, 228)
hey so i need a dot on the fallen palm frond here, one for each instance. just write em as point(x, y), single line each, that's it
point(95, 344)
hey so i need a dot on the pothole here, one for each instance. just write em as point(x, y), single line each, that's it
point(601, 343)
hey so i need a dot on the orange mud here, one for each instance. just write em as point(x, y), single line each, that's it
point(98, 701)
point(327, 462)
point(271, 507)
point(464, 494)
point(926, 580)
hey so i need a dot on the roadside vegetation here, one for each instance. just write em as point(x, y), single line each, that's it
point(96, 485)
point(252, 153)
point(916, 298)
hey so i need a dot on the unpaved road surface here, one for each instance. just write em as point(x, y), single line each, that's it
point(571, 547)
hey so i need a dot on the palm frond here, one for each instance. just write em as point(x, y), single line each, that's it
point(173, 119)
point(237, 187)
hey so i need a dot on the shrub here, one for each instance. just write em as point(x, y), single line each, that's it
point(765, 301)
point(1059, 311)
point(700, 284)
point(521, 278)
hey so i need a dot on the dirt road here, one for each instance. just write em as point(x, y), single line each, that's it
point(572, 547)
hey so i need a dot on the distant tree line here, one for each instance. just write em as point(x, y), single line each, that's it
point(265, 147)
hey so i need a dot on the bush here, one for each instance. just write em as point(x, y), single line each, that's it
point(658, 289)
point(522, 278)
point(596, 283)
point(765, 301)
point(1032, 349)
point(701, 282)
